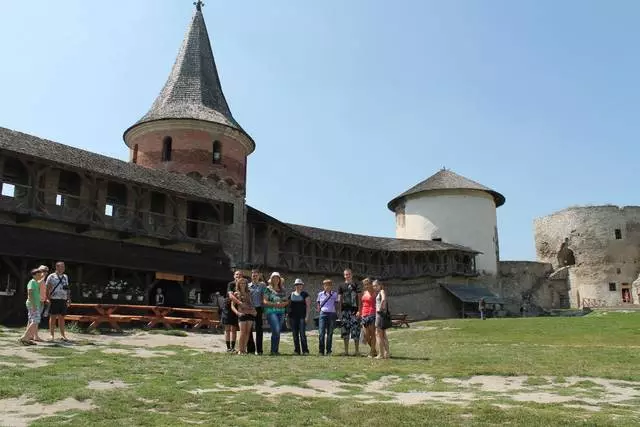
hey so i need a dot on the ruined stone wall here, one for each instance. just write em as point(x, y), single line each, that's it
point(605, 244)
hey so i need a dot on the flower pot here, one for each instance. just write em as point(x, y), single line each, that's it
point(86, 294)
point(114, 296)
point(140, 298)
point(128, 297)
point(98, 294)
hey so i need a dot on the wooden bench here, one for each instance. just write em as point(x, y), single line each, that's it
point(399, 320)
point(155, 315)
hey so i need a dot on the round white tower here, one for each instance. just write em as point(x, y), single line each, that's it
point(453, 209)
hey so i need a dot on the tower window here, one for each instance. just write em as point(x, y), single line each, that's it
point(612, 287)
point(166, 149)
point(134, 155)
point(217, 152)
point(618, 233)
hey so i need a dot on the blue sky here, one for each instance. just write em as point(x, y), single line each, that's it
point(352, 102)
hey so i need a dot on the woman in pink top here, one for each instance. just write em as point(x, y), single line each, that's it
point(368, 315)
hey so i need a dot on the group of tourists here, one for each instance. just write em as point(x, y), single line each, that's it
point(362, 310)
point(48, 296)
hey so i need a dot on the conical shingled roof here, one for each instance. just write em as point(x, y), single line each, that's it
point(193, 89)
point(446, 180)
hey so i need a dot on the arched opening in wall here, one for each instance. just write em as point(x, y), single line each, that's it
point(468, 265)
point(421, 263)
point(360, 265)
point(116, 203)
point(134, 154)
point(68, 195)
point(404, 263)
point(289, 252)
point(217, 152)
point(15, 181)
point(433, 261)
point(565, 255)
point(167, 143)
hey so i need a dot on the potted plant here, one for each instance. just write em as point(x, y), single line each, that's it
point(139, 294)
point(128, 291)
point(113, 289)
point(97, 291)
point(85, 290)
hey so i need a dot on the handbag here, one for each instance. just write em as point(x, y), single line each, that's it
point(385, 317)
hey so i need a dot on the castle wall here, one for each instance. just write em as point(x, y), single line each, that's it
point(463, 217)
point(420, 298)
point(605, 241)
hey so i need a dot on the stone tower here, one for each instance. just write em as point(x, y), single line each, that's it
point(189, 128)
point(453, 209)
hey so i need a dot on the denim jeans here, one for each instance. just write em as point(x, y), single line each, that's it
point(326, 324)
point(275, 324)
point(299, 331)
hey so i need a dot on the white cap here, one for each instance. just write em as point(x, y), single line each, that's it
point(274, 274)
point(298, 282)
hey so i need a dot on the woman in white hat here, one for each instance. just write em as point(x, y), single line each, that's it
point(275, 303)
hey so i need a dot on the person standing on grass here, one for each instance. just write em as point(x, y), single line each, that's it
point(382, 308)
point(256, 289)
point(299, 310)
point(59, 297)
point(326, 306)
point(368, 315)
point(482, 306)
point(245, 312)
point(349, 299)
point(275, 303)
point(229, 319)
point(33, 307)
point(44, 302)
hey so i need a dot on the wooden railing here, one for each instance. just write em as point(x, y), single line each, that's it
point(291, 261)
point(78, 210)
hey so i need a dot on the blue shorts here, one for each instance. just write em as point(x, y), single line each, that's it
point(369, 320)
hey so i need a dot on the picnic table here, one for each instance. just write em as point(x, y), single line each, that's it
point(400, 320)
point(116, 314)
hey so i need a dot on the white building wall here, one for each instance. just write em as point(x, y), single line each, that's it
point(463, 217)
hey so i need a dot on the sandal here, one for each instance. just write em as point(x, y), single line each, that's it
point(26, 342)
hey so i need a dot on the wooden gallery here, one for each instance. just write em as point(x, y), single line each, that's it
point(174, 216)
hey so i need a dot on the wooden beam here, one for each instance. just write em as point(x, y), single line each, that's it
point(11, 265)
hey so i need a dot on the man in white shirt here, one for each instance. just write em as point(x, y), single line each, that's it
point(59, 295)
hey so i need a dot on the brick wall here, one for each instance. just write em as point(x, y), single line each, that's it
point(192, 151)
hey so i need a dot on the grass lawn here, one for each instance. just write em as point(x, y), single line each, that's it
point(532, 371)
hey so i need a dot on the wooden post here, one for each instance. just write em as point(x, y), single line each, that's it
point(1, 171)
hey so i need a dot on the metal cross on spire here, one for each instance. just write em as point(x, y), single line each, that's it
point(198, 4)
